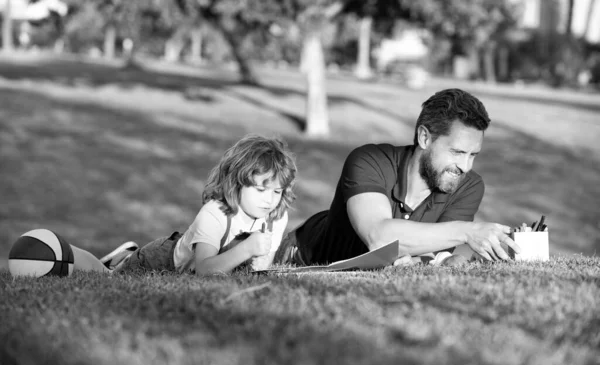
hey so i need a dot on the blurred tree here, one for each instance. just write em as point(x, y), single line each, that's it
point(7, 27)
point(114, 19)
point(47, 33)
point(553, 53)
point(569, 59)
point(365, 10)
point(474, 27)
point(588, 20)
point(381, 15)
point(363, 67)
point(28, 16)
point(83, 27)
point(237, 21)
point(313, 17)
point(167, 23)
point(90, 19)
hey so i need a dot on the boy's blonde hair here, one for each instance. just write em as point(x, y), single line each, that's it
point(250, 156)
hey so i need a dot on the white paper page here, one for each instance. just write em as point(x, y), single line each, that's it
point(379, 258)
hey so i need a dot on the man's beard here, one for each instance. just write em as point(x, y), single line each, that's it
point(434, 179)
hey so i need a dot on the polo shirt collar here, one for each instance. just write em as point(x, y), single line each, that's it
point(399, 191)
point(440, 197)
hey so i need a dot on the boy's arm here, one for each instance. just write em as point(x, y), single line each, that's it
point(209, 261)
point(265, 261)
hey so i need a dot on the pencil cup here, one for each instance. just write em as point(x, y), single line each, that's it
point(534, 246)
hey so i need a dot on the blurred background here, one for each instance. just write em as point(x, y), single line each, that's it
point(112, 112)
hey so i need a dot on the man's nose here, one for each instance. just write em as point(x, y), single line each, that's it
point(465, 163)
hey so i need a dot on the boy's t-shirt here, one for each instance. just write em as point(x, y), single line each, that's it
point(209, 227)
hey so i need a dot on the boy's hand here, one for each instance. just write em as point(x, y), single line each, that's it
point(259, 242)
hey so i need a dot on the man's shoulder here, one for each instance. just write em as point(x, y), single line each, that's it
point(472, 181)
point(385, 148)
point(473, 177)
point(379, 151)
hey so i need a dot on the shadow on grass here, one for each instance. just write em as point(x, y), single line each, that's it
point(101, 176)
point(193, 87)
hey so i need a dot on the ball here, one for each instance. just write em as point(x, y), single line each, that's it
point(39, 253)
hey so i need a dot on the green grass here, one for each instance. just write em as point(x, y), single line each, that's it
point(504, 313)
point(104, 155)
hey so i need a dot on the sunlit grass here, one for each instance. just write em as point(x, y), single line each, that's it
point(504, 313)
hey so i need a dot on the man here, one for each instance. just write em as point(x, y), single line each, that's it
point(424, 195)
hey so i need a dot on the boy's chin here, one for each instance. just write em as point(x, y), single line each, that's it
point(260, 214)
point(256, 216)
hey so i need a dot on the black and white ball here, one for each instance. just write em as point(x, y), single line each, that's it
point(40, 252)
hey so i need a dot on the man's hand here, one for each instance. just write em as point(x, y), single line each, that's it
point(454, 260)
point(405, 260)
point(485, 240)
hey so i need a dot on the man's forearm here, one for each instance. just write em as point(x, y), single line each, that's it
point(418, 238)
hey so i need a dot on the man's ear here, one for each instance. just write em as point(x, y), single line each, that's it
point(423, 137)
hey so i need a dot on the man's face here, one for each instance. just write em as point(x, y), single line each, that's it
point(445, 162)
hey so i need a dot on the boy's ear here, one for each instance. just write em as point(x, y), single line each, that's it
point(424, 137)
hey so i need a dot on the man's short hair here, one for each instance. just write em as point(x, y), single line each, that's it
point(444, 107)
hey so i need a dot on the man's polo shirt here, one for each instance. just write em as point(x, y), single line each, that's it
point(329, 236)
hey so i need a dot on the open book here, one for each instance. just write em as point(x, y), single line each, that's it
point(381, 257)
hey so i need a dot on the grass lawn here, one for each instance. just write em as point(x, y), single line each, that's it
point(505, 313)
point(103, 155)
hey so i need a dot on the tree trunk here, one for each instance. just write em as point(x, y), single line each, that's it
point(303, 61)
point(588, 20)
point(475, 63)
point(363, 69)
point(571, 5)
point(59, 45)
point(317, 120)
point(570, 49)
point(175, 44)
point(7, 29)
point(110, 36)
point(503, 63)
point(488, 61)
point(235, 44)
point(173, 48)
point(196, 49)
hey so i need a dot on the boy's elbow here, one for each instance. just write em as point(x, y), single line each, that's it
point(204, 268)
point(203, 271)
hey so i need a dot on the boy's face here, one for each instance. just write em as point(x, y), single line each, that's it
point(262, 198)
